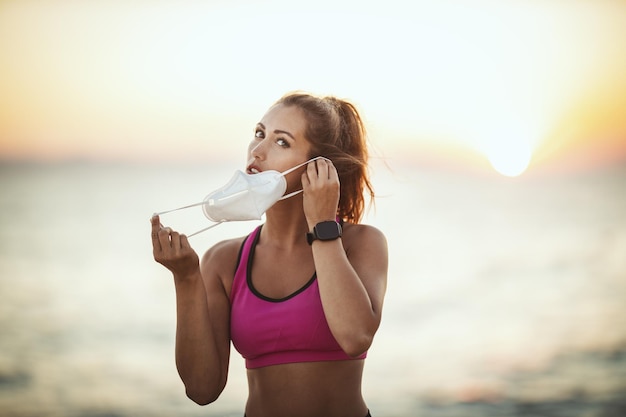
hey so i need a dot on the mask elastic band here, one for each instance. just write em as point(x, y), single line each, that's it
point(206, 228)
point(179, 208)
point(218, 223)
point(293, 169)
point(186, 207)
point(303, 164)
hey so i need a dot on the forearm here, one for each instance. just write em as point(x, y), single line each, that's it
point(198, 359)
point(347, 305)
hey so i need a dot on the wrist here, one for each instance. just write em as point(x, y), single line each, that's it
point(324, 231)
point(188, 277)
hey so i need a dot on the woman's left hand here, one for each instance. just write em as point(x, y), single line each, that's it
point(320, 183)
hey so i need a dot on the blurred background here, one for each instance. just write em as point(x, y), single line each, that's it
point(498, 140)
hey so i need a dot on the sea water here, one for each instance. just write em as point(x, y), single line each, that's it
point(505, 296)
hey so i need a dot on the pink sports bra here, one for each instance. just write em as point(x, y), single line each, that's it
point(268, 331)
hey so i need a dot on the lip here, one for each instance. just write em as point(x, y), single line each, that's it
point(253, 169)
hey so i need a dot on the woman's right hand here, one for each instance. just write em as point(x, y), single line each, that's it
point(172, 250)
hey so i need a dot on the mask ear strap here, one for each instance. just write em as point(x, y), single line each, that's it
point(179, 208)
point(206, 228)
point(290, 195)
point(293, 169)
point(302, 164)
point(189, 206)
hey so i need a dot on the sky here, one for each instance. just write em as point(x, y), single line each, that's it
point(515, 82)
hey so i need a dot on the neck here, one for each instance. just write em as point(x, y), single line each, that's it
point(285, 223)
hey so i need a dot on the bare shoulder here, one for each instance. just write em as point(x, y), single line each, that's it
point(222, 252)
point(365, 246)
point(357, 236)
point(220, 261)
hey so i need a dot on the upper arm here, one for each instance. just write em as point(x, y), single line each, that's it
point(367, 252)
point(217, 268)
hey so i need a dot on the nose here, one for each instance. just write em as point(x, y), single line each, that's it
point(257, 149)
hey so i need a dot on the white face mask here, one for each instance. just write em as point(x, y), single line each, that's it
point(245, 196)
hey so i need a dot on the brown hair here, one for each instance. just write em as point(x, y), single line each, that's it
point(336, 131)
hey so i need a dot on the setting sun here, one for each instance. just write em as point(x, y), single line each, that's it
point(186, 80)
point(510, 159)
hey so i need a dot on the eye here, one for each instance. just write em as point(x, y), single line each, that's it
point(259, 134)
point(282, 143)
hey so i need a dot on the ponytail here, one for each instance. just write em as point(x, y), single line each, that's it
point(336, 131)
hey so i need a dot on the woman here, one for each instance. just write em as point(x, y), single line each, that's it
point(302, 295)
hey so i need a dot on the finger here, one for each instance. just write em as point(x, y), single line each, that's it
point(333, 175)
point(164, 237)
point(155, 223)
point(156, 226)
point(322, 169)
point(311, 170)
point(184, 242)
point(175, 240)
point(304, 178)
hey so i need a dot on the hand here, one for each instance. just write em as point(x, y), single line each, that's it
point(320, 183)
point(172, 250)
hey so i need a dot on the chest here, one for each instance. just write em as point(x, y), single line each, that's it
point(277, 274)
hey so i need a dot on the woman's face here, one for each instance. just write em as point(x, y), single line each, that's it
point(279, 141)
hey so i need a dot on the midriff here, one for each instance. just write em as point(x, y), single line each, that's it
point(307, 389)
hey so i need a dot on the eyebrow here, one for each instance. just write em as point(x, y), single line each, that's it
point(278, 131)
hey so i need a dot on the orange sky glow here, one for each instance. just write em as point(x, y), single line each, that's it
point(187, 80)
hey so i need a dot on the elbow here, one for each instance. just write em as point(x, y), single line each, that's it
point(357, 345)
point(201, 397)
point(356, 341)
point(204, 394)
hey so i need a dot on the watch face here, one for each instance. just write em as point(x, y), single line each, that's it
point(328, 230)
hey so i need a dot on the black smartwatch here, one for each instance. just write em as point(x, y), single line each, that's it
point(329, 230)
